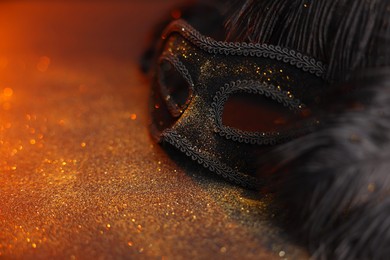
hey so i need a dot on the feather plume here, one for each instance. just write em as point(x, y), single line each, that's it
point(335, 182)
point(343, 34)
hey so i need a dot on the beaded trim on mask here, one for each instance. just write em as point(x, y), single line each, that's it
point(216, 166)
point(210, 45)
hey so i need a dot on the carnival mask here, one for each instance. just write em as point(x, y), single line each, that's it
point(223, 103)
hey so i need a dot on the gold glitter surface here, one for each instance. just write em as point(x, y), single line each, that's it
point(80, 176)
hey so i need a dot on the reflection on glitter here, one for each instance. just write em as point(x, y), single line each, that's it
point(133, 116)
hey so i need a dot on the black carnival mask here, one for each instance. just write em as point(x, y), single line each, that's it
point(223, 103)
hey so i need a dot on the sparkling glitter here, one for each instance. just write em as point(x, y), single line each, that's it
point(61, 197)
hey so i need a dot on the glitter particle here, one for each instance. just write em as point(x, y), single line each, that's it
point(371, 187)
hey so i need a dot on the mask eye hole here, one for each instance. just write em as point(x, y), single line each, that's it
point(258, 113)
point(175, 89)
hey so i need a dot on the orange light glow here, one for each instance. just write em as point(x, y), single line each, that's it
point(3, 63)
point(8, 92)
point(133, 116)
point(43, 64)
point(7, 106)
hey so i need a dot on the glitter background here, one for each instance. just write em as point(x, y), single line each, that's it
point(80, 177)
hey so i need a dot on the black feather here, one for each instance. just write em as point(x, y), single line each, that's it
point(345, 34)
point(335, 182)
